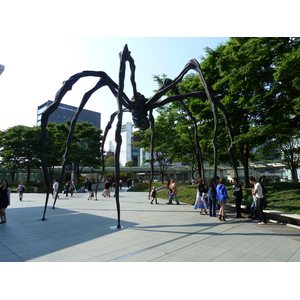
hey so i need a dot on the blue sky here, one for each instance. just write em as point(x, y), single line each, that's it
point(35, 69)
point(43, 43)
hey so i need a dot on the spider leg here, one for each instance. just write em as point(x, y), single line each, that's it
point(201, 172)
point(101, 83)
point(124, 57)
point(151, 121)
point(67, 86)
point(215, 104)
point(107, 128)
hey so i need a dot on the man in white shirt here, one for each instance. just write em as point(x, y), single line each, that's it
point(260, 200)
point(55, 188)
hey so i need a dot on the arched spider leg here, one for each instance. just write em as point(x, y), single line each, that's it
point(151, 121)
point(191, 65)
point(67, 86)
point(124, 56)
point(107, 128)
point(194, 65)
point(101, 83)
point(199, 156)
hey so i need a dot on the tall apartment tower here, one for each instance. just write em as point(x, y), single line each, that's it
point(127, 152)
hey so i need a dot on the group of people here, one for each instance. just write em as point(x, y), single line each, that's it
point(172, 192)
point(172, 186)
point(69, 187)
point(213, 197)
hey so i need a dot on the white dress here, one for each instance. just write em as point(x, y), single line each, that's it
point(200, 202)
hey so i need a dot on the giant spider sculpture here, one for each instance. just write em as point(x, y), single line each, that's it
point(142, 115)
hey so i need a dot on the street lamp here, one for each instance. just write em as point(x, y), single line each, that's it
point(1, 69)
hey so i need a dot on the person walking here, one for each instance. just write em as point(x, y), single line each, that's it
point(36, 186)
point(67, 188)
point(260, 200)
point(154, 195)
point(222, 197)
point(21, 189)
point(238, 196)
point(4, 200)
point(72, 188)
point(201, 193)
point(55, 187)
point(106, 191)
point(171, 196)
point(211, 197)
point(173, 186)
point(90, 190)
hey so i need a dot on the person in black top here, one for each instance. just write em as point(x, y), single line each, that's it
point(211, 197)
point(4, 200)
point(106, 191)
point(238, 195)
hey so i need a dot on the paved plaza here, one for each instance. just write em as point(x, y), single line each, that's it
point(78, 230)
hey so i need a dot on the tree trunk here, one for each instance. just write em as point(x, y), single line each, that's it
point(294, 173)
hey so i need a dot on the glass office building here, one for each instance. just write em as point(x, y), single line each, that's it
point(66, 112)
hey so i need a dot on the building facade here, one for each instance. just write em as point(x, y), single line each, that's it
point(66, 112)
point(127, 152)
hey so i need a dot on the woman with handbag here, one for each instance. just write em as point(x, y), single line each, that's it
point(201, 197)
point(90, 190)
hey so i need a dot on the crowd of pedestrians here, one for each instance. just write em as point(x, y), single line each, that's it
point(210, 199)
point(213, 196)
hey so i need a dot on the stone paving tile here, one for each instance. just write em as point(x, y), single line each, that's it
point(208, 255)
point(229, 256)
point(295, 257)
point(185, 254)
point(65, 255)
point(284, 252)
point(250, 258)
point(80, 230)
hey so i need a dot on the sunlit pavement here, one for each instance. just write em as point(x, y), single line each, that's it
point(78, 230)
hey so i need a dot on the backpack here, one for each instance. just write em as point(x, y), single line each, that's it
point(265, 192)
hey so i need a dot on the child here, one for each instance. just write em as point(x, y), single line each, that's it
point(153, 195)
point(21, 189)
point(171, 195)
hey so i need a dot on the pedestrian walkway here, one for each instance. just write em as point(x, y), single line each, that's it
point(78, 230)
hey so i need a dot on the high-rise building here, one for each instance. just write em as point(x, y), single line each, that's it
point(127, 152)
point(66, 112)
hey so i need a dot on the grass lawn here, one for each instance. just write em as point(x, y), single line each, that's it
point(282, 196)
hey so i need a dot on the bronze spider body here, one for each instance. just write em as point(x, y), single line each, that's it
point(140, 108)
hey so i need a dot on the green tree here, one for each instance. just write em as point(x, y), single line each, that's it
point(241, 73)
point(85, 146)
point(129, 164)
point(110, 162)
point(19, 150)
point(55, 145)
point(165, 138)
